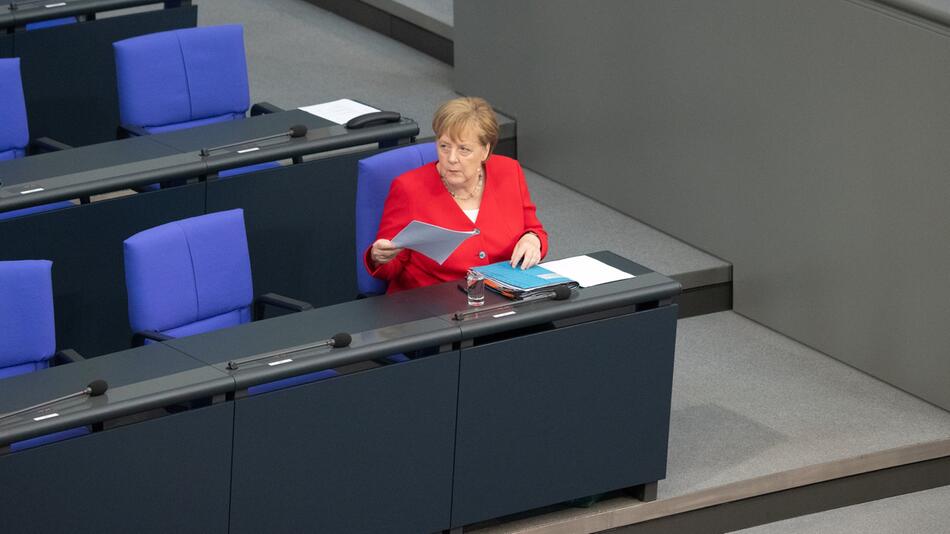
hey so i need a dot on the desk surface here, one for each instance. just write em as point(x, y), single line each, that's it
point(195, 366)
point(223, 133)
point(139, 379)
point(138, 161)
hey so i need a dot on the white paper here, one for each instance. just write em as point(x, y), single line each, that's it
point(586, 271)
point(434, 241)
point(339, 111)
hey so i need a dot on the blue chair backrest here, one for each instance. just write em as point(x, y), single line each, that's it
point(374, 176)
point(189, 276)
point(14, 132)
point(182, 78)
point(27, 327)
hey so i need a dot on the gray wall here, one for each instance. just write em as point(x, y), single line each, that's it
point(807, 142)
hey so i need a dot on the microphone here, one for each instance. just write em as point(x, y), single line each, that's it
point(297, 130)
point(94, 389)
point(338, 341)
point(558, 293)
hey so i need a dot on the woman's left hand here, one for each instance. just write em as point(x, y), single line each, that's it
point(527, 251)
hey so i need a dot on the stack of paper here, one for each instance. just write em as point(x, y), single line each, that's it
point(586, 270)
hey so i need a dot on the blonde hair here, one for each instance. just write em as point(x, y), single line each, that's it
point(455, 116)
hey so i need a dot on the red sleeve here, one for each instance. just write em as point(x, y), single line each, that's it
point(531, 221)
point(397, 213)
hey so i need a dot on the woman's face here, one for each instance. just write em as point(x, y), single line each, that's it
point(460, 159)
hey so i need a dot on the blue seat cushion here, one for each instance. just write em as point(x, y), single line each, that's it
point(49, 438)
point(191, 124)
point(27, 329)
point(22, 369)
point(225, 320)
point(249, 168)
point(35, 209)
point(180, 76)
point(189, 271)
point(291, 381)
point(52, 23)
point(12, 153)
point(14, 133)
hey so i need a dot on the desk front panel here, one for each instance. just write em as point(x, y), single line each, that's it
point(69, 72)
point(6, 45)
point(563, 413)
point(169, 474)
point(365, 452)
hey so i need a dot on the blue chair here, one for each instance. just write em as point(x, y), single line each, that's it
point(27, 331)
point(374, 175)
point(180, 79)
point(193, 276)
point(14, 130)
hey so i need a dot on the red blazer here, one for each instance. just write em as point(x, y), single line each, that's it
point(506, 213)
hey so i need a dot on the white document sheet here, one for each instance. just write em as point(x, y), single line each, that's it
point(339, 111)
point(586, 271)
point(434, 241)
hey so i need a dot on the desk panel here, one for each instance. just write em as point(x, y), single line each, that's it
point(223, 133)
point(6, 45)
point(69, 73)
point(364, 452)
point(163, 475)
point(562, 414)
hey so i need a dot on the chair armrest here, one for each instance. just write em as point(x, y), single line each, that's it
point(67, 356)
point(263, 108)
point(138, 338)
point(128, 130)
point(46, 144)
point(278, 301)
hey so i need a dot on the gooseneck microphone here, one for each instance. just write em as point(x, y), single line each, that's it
point(297, 130)
point(338, 341)
point(558, 293)
point(94, 389)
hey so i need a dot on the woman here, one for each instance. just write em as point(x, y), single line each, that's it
point(468, 188)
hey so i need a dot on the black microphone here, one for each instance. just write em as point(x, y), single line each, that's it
point(337, 341)
point(94, 389)
point(297, 130)
point(558, 293)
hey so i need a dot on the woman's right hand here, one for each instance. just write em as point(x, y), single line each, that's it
point(383, 251)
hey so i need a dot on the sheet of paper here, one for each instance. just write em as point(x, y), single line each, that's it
point(434, 241)
point(339, 111)
point(586, 271)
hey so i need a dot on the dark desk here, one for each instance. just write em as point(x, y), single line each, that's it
point(69, 71)
point(500, 415)
point(164, 473)
point(289, 212)
point(370, 451)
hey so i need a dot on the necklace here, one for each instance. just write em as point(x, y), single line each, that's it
point(478, 187)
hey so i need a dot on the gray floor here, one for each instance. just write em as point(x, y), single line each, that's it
point(925, 512)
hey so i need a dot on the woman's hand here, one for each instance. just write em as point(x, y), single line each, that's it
point(527, 251)
point(383, 251)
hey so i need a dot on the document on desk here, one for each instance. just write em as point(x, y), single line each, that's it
point(586, 271)
point(434, 241)
point(339, 111)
